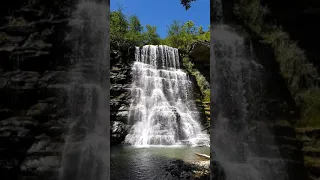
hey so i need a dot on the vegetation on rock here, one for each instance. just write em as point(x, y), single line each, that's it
point(201, 81)
point(298, 71)
point(182, 35)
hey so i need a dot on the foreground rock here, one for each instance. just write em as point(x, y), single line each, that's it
point(118, 132)
point(199, 54)
point(179, 169)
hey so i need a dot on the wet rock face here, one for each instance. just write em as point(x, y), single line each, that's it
point(33, 87)
point(122, 58)
point(31, 36)
point(118, 132)
point(310, 138)
point(200, 55)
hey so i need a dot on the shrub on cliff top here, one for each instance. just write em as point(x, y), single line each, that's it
point(182, 35)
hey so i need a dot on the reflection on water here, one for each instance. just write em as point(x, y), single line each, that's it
point(139, 163)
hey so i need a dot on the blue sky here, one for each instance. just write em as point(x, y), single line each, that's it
point(161, 13)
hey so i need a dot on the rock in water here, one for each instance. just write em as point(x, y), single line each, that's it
point(118, 132)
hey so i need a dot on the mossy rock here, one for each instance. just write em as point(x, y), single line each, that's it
point(311, 111)
point(282, 122)
point(311, 122)
point(312, 177)
point(308, 130)
point(300, 130)
point(311, 151)
point(313, 165)
point(305, 138)
point(309, 136)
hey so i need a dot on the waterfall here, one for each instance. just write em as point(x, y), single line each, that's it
point(162, 108)
point(242, 143)
point(86, 151)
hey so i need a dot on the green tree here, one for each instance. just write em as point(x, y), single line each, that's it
point(118, 25)
point(181, 35)
point(188, 34)
point(200, 30)
point(204, 37)
point(134, 33)
point(173, 34)
point(135, 25)
point(151, 36)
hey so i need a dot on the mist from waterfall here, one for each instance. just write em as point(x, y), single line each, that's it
point(86, 151)
point(242, 143)
point(162, 109)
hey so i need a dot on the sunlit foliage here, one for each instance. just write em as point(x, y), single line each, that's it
point(179, 35)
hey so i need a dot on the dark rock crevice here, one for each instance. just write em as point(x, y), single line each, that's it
point(200, 55)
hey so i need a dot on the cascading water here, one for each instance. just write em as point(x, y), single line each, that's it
point(86, 152)
point(241, 140)
point(162, 110)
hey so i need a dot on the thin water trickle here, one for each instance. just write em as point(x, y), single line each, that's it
point(162, 110)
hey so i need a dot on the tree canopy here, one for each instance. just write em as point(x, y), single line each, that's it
point(182, 35)
point(129, 29)
point(179, 34)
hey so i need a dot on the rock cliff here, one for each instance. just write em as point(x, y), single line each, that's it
point(121, 61)
point(283, 36)
point(33, 67)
